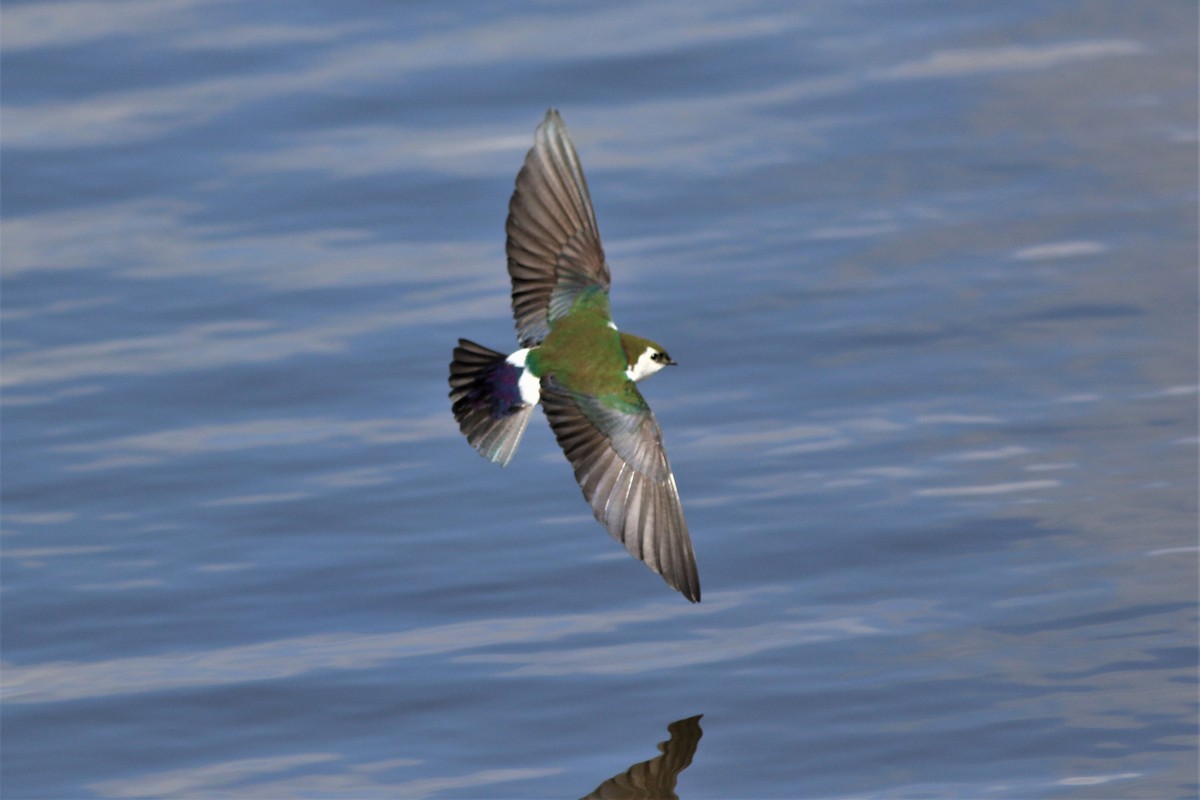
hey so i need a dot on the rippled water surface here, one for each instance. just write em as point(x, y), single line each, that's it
point(929, 269)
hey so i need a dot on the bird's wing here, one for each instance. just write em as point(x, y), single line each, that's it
point(623, 470)
point(553, 246)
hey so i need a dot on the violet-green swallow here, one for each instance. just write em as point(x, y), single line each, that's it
point(577, 364)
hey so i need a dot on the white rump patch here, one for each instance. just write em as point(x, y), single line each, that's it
point(528, 384)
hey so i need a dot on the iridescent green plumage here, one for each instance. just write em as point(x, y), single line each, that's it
point(584, 368)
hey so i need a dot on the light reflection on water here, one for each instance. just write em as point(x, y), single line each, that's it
point(931, 275)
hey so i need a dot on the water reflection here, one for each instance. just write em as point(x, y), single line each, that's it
point(313, 775)
point(59, 681)
point(655, 779)
point(334, 774)
point(519, 647)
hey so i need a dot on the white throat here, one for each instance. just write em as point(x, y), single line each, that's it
point(645, 366)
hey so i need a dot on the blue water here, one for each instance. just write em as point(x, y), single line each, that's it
point(929, 269)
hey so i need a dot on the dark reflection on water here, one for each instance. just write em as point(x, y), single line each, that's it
point(655, 779)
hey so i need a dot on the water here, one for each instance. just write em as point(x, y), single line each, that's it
point(929, 269)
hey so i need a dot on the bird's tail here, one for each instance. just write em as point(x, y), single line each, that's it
point(485, 389)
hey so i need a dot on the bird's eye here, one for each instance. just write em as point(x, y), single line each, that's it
point(657, 357)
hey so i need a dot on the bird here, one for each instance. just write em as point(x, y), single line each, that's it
point(577, 364)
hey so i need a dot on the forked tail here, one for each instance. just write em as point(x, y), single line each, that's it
point(485, 388)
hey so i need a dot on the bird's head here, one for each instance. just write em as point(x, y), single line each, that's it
point(643, 357)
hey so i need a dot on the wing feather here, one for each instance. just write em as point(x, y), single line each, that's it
point(622, 468)
point(554, 250)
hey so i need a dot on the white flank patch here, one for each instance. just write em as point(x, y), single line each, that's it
point(529, 385)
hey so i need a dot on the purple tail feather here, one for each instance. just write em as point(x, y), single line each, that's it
point(486, 394)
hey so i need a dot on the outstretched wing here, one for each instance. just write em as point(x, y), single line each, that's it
point(554, 250)
point(623, 470)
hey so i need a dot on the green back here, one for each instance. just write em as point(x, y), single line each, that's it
point(586, 355)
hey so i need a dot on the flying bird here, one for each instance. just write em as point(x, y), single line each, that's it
point(577, 364)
